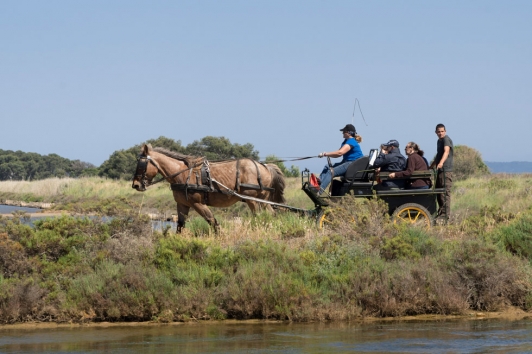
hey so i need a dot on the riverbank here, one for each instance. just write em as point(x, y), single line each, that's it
point(509, 314)
point(43, 214)
point(272, 267)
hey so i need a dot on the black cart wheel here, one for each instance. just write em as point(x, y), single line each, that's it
point(413, 214)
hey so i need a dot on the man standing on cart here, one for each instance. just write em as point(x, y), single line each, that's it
point(444, 163)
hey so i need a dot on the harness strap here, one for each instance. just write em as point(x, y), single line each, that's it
point(204, 188)
point(186, 183)
point(237, 184)
point(258, 174)
point(206, 169)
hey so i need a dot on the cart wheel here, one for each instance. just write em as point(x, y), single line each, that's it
point(413, 214)
point(325, 218)
point(329, 218)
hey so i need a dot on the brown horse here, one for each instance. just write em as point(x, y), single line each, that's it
point(197, 183)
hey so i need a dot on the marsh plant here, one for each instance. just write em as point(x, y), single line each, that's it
point(268, 266)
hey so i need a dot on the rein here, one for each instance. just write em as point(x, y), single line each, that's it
point(296, 159)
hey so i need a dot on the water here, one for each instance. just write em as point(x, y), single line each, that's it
point(8, 209)
point(478, 336)
point(157, 225)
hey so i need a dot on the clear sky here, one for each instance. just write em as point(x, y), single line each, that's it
point(85, 78)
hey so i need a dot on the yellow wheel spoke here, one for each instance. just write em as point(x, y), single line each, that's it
point(413, 214)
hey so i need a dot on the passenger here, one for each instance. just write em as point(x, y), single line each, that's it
point(390, 160)
point(444, 163)
point(415, 162)
point(349, 150)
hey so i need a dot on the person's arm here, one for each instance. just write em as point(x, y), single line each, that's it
point(381, 159)
point(410, 168)
point(446, 151)
point(340, 152)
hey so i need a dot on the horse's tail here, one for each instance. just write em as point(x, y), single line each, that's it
point(277, 184)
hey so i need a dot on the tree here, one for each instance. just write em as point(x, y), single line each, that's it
point(220, 148)
point(467, 162)
point(79, 168)
point(19, 165)
point(120, 165)
point(163, 142)
point(13, 170)
point(293, 172)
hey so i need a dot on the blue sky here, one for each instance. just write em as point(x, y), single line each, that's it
point(85, 78)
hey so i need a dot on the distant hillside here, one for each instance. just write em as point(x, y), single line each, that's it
point(510, 167)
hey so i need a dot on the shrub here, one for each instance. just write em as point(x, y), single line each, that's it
point(516, 237)
point(467, 162)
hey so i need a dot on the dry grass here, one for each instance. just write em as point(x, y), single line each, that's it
point(510, 193)
point(44, 188)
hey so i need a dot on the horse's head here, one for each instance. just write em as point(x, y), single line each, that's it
point(146, 169)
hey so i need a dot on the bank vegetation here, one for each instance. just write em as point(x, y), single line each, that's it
point(113, 266)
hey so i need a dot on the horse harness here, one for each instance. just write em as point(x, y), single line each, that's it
point(206, 184)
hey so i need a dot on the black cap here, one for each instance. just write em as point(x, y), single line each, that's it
point(392, 142)
point(349, 128)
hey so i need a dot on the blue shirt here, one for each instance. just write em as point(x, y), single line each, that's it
point(354, 153)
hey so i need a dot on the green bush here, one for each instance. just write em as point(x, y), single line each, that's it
point(516, 237)
point(467, 162)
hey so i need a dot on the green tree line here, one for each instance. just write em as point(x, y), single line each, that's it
point(18, 165)
point(121, 164)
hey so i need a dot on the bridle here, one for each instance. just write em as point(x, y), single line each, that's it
point(142, 169)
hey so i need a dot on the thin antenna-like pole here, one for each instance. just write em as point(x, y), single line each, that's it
point(360, 109)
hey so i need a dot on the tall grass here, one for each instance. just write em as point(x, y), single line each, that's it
point(509, 193)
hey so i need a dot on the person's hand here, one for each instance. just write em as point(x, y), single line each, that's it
point(322, 154)
point(391, 175)
point(440, 166)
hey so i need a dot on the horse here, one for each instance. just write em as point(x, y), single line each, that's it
point(198, 183)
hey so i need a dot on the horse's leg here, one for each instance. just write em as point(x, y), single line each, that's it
point(206, 213)
point(256, 206)
point(252, 206)
point(182, 214)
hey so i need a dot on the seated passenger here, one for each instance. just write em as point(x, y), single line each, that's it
point(390, 160)
point(349, 150)
point(415, 162)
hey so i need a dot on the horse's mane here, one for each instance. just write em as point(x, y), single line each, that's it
point(187, 159)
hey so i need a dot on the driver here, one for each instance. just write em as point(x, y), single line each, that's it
point(349, 150)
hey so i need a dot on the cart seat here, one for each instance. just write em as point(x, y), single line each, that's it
point(358, 169)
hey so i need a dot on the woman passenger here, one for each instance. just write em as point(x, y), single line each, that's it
point(415, 162)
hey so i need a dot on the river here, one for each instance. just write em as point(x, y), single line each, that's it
point(449, 336)
point(8, 209)
point(158, 225)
